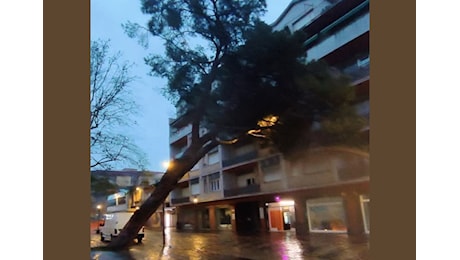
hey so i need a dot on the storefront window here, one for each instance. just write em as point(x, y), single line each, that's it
point(326, 215)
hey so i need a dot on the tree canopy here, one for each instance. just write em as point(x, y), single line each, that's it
point(266, 89)
point(101, 186)
point(220, 59)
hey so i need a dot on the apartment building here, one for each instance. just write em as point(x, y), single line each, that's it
point(248, 187)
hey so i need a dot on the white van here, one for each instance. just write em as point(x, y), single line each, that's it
point(113, 223)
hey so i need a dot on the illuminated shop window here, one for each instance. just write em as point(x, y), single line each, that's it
point(326, 215)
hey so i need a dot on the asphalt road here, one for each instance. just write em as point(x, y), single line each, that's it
point(227, 245)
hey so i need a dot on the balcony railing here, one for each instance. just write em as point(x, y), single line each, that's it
point(177, 134)
point(239, 159)
point(353, 170)
point(357, 71)
point(179, 153)
point(243, 190)
point(180, 200)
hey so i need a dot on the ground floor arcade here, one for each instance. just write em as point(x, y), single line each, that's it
point(342, 208)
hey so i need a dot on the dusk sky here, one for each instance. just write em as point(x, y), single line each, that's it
point(23, 84)
point(151, 133)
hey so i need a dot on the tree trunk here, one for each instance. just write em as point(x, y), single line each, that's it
point(175, 172)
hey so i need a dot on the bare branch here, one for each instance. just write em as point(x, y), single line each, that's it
point(111, 107)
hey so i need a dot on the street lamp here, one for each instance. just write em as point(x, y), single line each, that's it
point(165, 164)
point(99, 206)
point(99, 211)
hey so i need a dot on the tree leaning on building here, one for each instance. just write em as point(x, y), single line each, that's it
point(249, 82)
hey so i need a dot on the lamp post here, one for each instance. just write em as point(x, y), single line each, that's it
point(98, 218)
point(165, 165)
point(163, 224)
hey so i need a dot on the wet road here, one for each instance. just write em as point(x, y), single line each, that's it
point(226, 245)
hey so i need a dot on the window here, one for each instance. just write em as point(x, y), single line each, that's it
point(326, 215)
point(213, 157)
point(250, 181)
point(270, 162)
point(195, 186)
point(271, 168)
point(272, 174)
point(212, 182)
point(111, 202)
point(116, 201)
point(121, 200)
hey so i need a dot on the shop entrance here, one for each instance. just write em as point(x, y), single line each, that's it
point(281, 215)
point(286, 220)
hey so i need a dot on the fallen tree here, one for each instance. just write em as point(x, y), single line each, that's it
point(249, 82)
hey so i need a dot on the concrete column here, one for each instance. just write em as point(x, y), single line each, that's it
point(301, 220)
point(179, 220)
point(212, 218)
point(197, 219)
point(233, 219)
point(355, 223)
point(262, 217)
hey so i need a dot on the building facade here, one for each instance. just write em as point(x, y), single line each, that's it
point(248, 187)
point(133, 188)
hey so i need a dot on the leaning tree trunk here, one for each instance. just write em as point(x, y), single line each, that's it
point(175, 172)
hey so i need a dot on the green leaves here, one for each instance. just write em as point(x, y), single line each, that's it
point(173, 18)
point(267, 76)
point(102, 186)
point(231, 71)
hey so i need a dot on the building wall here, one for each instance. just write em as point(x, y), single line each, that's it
point(321, 182)
point(300, 14)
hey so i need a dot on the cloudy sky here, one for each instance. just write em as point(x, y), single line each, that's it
point(151, 133)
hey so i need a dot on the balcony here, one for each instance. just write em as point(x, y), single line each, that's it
point(353, 169)
point(328, 13)
point(185, 178)
point(239, 159)
point(178, 134)
point(179, 153)
point(358, 71)
point(332, 41)
point(180, 200)
point(242, 190)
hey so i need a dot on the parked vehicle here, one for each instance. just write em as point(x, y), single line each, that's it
point(113, 223)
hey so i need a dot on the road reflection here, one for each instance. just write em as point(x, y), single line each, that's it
point(227, 245)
